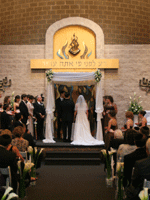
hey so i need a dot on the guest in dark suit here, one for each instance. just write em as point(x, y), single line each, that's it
point(141, 172)
point(23, 108)
point(8, 158)
point(58, 112)
point(39, 112)
point(17, 121)
point(5, 118)
point(67, 110)
point(130, 159)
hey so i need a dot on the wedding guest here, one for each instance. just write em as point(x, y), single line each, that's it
point(141, 172)
point(16, 104)
point(118, 134)
point(129, 121)
point(39, 112)
point(5, 118)
point(8, 158)
point(112, 126)
point(130, 159)
point(17, 120)
point(31, 117)
point(19, 141)
point(10, 147)
point(144, 131)
point(27, 136)
point(143, 119)
point(58, 112)
point(23, 108)
point(129, 145)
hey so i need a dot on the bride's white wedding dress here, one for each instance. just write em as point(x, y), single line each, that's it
point(82, 134)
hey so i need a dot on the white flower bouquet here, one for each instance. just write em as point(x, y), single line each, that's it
point(23, 173)
point(135, 104)
point(97, 75)
point(120, 172)
point(49, 75)
point(9, 194)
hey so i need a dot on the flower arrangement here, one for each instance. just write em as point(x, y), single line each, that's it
point(49, 75)
point(97, 75)
point(135, 104)
point(9, 194)
point(120, 172)
point(143, 195)
point(108, 156)
point(27, 168)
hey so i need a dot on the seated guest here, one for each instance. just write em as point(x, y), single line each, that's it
point(129, 122)
point(8, 158)
point(17, 121)
point(5, 118)
point(130, 159)
point(18, 141)
point(129, 145)
point(11, 148)
point(141, 172)
point(144, 131)
point(27, 136)
point(118, 134)
point(143, 119)
point(112, 126)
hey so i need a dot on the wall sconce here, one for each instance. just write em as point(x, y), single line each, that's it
point(144, 85)
point(4, 84)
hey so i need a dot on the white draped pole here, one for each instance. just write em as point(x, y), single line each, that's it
point(99, 110)
point(50, 107)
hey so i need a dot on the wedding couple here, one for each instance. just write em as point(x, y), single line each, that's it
point(82, 134)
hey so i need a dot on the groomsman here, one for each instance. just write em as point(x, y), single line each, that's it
point(67, 115)
point(39, 112)
point(23, 109)
point(58, 112)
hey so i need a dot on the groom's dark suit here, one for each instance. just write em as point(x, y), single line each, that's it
point(67, 116)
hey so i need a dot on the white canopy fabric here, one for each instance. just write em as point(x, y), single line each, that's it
point(81, 78)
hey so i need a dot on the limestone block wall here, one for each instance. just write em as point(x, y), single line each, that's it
point(121, 84)
point(26, 21)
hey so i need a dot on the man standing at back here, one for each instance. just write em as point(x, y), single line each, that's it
point(23, 108)
point(58, 112)
point(39, 111)
point(67, 116)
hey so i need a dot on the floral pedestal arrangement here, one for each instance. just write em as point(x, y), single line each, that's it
point(109, 182)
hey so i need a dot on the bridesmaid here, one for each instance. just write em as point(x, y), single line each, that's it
point(30, 110)
point(129, 121)
point(109, 106)
point(112, 126)
point(143, 119)
point(16, 104)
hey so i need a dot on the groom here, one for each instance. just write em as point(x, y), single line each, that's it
point(67, 116)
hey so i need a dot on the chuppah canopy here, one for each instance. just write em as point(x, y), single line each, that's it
point(81, 78)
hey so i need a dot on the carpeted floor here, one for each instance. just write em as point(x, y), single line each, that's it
point(71, 183)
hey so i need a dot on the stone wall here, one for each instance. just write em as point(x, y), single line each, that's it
point(26, 21)
point(121, 84)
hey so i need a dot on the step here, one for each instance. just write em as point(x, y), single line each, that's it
point(72, 154)
point(72, 161)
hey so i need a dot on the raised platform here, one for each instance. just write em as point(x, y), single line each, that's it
point(64, 153)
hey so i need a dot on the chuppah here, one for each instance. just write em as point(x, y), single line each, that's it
point(77, 78)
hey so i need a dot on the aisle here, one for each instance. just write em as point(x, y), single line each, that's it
point(70, 183)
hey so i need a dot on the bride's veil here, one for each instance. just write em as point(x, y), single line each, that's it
point(81, 103)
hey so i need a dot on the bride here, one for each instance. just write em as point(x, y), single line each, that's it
point(82, 134)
